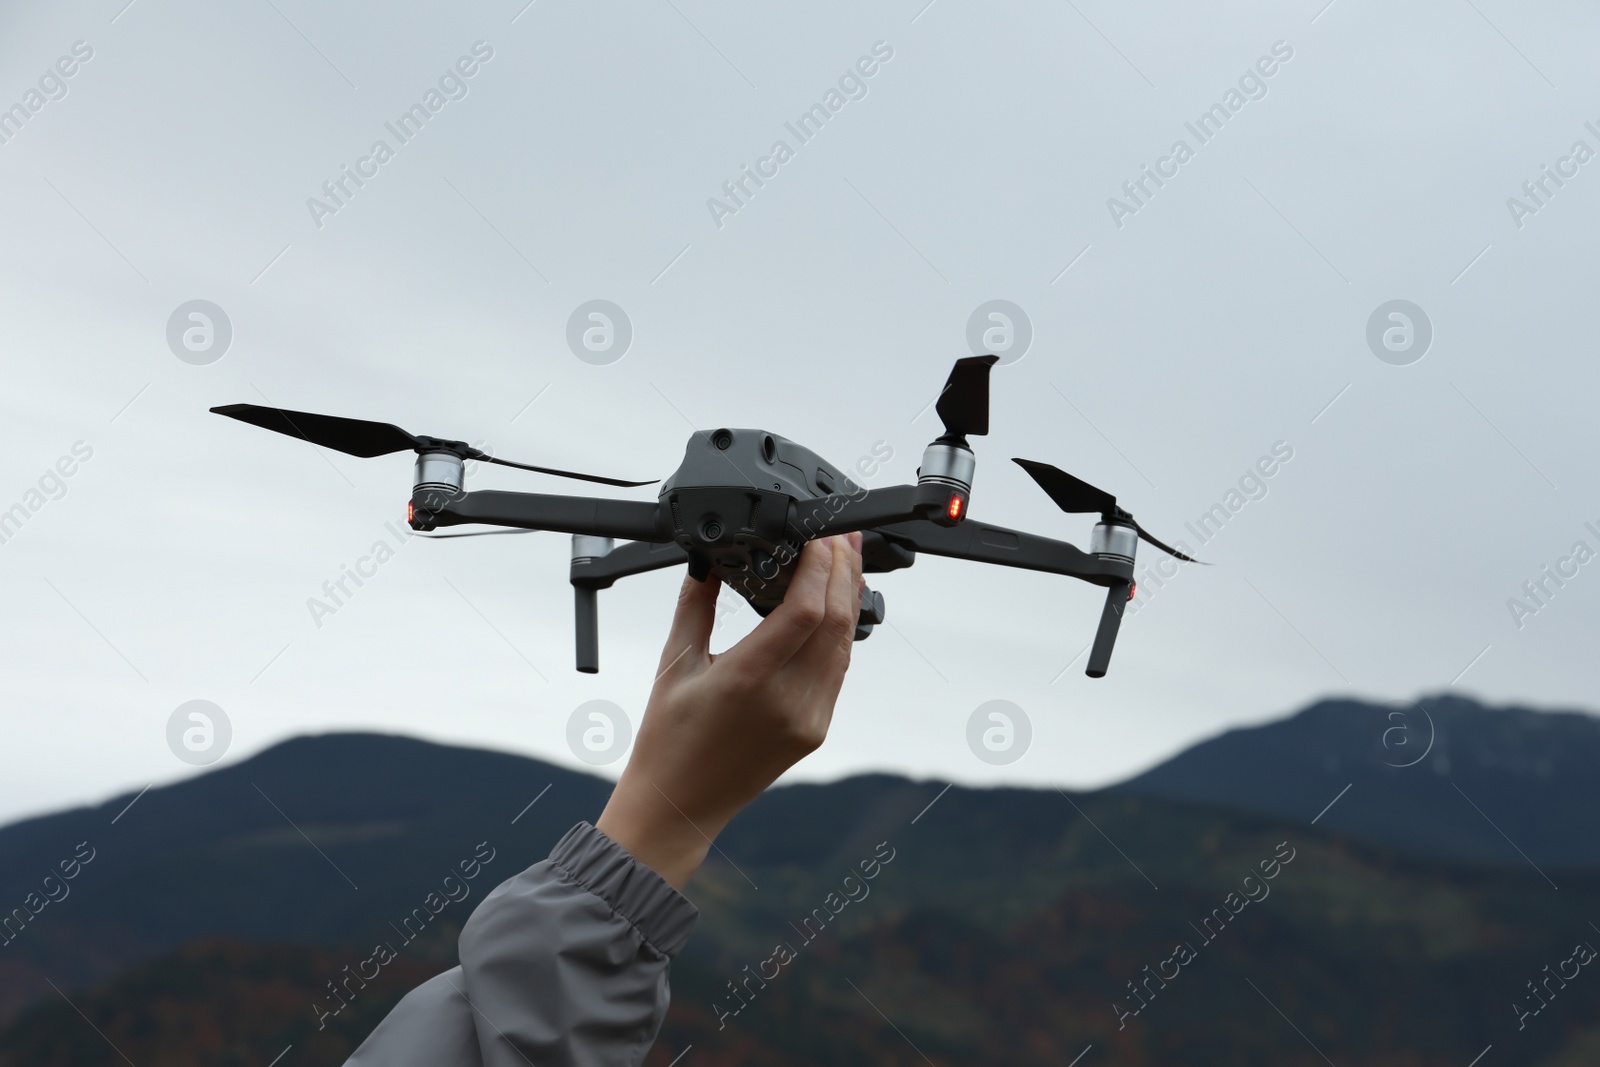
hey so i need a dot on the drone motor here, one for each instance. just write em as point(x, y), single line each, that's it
point(439, 472)
point(951, 465)
point(1114, 540)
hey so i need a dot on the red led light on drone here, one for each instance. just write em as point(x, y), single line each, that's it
point(411, 512)
point(953, 509)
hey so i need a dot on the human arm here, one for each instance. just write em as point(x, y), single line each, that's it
point(566, 964)
point(721, 728)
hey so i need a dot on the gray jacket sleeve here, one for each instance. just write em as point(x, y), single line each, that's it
point(564, 965)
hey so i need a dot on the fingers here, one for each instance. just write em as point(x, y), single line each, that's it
point(781, 634)
point(690, 635)
point(827, 651)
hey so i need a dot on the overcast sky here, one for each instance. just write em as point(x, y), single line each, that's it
point(1177, 338)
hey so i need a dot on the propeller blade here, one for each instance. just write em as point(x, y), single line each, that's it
point(561, 473)
point(1144, 535)
point(963, 404)
point(1072, 495)
point(1076, 496)
point(356, 437)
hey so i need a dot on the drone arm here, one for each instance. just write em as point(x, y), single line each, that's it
point(839, 513)
point(986, 543)
point(1013, 548)
point(632, 520)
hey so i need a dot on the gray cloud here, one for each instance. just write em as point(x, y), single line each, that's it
point(1229, 314)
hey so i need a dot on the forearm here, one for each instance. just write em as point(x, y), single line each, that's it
point(564, 965)
point(642, 820)
point(720, 729)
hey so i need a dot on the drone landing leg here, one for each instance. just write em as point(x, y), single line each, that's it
point(595, 565)
point(1106, 637)
point(586, 603)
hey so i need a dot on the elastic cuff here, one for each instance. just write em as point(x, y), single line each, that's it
point(661, 914)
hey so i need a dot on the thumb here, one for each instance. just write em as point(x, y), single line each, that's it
point(691, 624)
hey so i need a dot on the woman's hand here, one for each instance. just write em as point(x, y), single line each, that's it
point(719, 729)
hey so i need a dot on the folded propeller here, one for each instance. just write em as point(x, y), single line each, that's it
point(963, 404)
point(359, 437)
point(1076, 496)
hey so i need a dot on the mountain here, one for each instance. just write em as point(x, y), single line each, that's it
point(1443, 775)
point(321, 840)
point(1008, 927)
point(211, 1003)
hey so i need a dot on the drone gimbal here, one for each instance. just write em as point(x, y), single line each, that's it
point(744, 502)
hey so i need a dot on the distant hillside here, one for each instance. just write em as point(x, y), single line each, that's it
point(230, 853)
point(1006, 928)
point(213, 1003)
point(1003, 933)
point(1529, 772)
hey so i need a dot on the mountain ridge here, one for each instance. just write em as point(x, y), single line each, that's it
point(325, 842)
point(1432, 774)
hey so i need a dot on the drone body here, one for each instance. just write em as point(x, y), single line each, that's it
point(731, 505)
point(743, 503)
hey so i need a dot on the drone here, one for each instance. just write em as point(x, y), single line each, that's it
point(744, 502)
